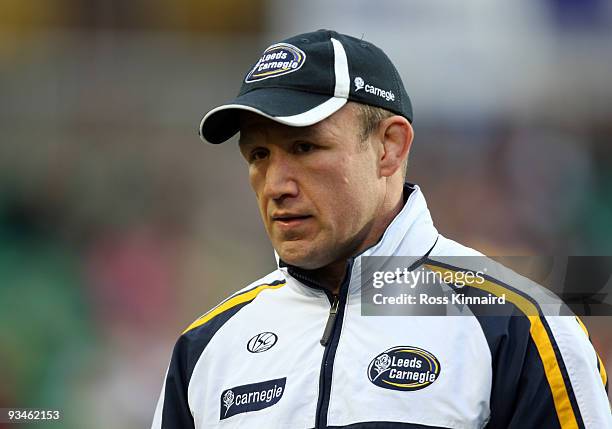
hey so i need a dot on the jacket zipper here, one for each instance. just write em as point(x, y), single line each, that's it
point(331, 332)
point(331, 320)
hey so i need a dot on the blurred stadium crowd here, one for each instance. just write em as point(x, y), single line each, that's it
point(118, 227)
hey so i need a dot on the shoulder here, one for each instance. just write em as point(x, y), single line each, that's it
point(192, 342)
point(227, 308)
point(531, 313)
point(493, 277)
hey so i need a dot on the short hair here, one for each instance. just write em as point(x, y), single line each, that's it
point(369, 119)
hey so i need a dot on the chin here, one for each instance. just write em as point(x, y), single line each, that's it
point(300, 262)
point(299, 257)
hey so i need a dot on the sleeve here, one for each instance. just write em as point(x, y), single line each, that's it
point(172, 411)
point(546, 374)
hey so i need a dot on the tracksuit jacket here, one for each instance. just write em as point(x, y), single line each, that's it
point(284, 353)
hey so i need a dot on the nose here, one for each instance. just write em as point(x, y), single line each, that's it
point(280, 181)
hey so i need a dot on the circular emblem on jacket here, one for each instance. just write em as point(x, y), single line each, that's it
point(404, 368)
point(262, 342)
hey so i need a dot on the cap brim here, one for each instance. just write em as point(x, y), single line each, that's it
point(286, 106)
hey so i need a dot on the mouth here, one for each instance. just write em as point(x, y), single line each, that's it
point(290, 220)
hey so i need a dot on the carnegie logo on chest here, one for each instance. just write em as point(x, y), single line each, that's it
point(251, 397)
point(404, 368)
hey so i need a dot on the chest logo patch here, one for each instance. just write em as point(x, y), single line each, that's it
point(262, 342)
point(251, 397)
point(404, 368)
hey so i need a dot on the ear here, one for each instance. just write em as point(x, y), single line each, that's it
point(396, 135)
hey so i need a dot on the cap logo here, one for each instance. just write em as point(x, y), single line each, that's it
point(277, 60)
point(359, 83)
point(371, 89)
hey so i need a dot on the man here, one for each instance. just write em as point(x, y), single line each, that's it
point(325, 129)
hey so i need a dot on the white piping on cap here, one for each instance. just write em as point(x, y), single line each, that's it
point(343, 81)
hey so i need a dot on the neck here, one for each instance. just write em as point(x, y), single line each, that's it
point(330, 277)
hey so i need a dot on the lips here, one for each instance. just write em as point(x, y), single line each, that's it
point(290, 219)
point(283, 215)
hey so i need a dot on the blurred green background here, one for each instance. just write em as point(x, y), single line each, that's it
point(118, 227)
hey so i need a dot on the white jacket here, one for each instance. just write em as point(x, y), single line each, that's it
point(257, 360)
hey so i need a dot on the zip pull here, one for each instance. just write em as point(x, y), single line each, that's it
point(331, 319)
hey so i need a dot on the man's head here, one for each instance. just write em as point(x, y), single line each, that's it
point(325, 191)
point(325, 125)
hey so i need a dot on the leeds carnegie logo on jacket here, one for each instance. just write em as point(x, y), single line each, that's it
point(404, 368)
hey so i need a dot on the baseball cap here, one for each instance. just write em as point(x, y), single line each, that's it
point(306, 78)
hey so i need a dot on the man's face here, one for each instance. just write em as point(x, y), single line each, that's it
point(318, 188)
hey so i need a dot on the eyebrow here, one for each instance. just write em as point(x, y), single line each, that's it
point(296, 133)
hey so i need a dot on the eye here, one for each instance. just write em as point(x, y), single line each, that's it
point(303, 147)
point(258, 154)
